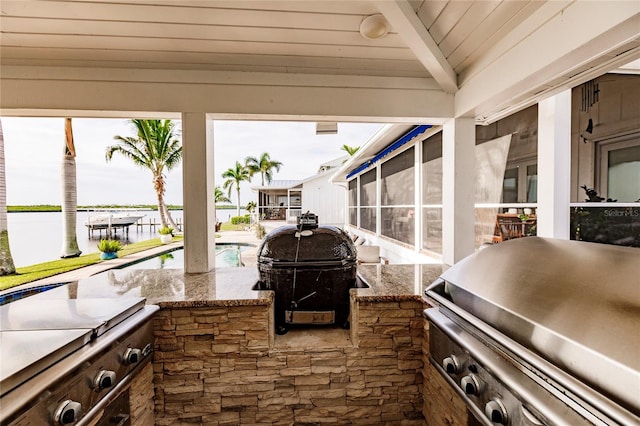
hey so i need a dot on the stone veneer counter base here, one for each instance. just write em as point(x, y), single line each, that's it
point(217, 360)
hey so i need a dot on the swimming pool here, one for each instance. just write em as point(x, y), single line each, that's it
point(227, 255)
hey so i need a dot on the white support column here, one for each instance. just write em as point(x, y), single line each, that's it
point(554, 166)
point(417, 210)
point(378, 199)
point(198, 193)
point(458, 189)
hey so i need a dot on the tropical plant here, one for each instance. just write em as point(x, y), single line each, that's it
point(220, 196)
point(351, 150)
point(69, 195)
point(251, 206)
point(165, 230)
point(156, 148)
point(234, 176)
point(109, 246)
point(6, 261)
point(263, 165)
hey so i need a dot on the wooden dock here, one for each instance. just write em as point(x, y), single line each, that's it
point(154, 224)
point(112, 230)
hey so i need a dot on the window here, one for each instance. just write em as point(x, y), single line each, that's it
point(520, 184)
point(368, 200)
point(398, 197)
point(353, 202)
point(620, 169)
point(432, 193)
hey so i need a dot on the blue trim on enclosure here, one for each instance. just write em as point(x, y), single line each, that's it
point(390, 148)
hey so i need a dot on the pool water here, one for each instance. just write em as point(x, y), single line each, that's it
point(22, 293)
point(227, 255)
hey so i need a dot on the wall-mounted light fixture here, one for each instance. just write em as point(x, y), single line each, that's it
point(589, 128)
point(374, 27)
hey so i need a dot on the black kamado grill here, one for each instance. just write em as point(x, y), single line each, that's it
point(311, 269)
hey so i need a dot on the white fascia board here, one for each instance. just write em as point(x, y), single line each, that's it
point(380, 140)
point(582, 32)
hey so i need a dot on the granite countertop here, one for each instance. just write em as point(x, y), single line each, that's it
point(396, 282)
point(234, 286)
point(169, 287)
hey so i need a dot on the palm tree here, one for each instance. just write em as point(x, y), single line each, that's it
point(69, 195)
point(233, 178)
point(156, 148)
point(263, 165)
point(351, 150)
point(6, 261)
point(220, 196)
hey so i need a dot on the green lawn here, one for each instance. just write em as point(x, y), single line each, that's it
point(43, 270)
point(228, 226)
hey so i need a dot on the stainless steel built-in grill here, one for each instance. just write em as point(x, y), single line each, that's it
point(311, 269)
point(66, 361)
point(541, 331)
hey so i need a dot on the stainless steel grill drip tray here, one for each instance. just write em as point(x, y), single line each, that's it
point(575, 304)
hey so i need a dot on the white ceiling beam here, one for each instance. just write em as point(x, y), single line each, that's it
point(223, 93)
point(406, 23)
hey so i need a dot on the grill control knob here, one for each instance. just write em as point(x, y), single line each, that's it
point(496, 411)
point(132, 356)
point(67, 412)
point(470, 385)
point(451, 364)
point(104, 379)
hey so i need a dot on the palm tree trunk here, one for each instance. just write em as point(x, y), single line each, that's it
point(161, 209)
point(170, 218)
point(6, 261)
point(238, 206)
point(69, 196)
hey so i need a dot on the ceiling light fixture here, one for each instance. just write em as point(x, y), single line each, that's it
point(374, 27)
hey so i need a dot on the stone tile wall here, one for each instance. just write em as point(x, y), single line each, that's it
point(215, 366)
point(141, 397)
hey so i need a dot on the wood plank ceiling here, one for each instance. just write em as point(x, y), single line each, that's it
point(293, 37)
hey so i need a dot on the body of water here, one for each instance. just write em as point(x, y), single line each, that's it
point(37, 237)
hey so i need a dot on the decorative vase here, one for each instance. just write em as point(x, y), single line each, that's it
point(106, 255)
point(166, 238)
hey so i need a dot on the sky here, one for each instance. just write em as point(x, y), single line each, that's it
point(34, 149)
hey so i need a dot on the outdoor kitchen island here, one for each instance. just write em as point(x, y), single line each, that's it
point(217, 359)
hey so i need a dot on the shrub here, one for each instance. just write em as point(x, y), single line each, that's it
point(109, 246)
point(237, 220)
point(165, 230)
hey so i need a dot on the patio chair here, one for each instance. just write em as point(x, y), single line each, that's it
point(370, 255)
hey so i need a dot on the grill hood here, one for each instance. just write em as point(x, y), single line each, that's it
point(576, 304)
point(325, 244)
